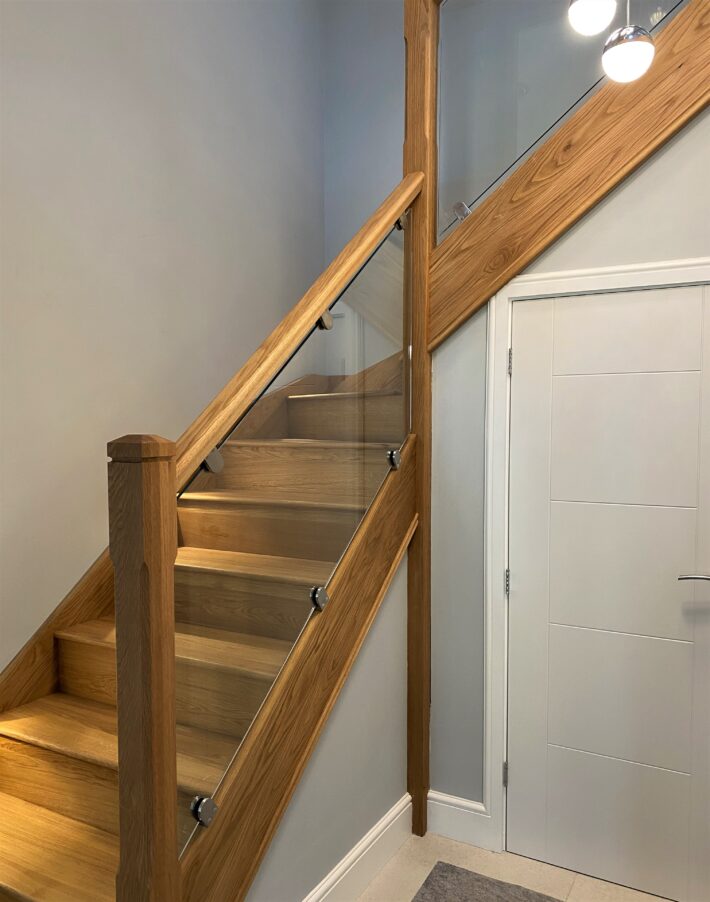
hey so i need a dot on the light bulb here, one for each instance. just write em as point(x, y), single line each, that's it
point(590, 17)
point(628, 53)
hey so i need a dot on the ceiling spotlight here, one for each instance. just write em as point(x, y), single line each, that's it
point(590, 17)
point(628, 53)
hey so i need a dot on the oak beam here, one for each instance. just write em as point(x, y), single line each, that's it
point(588, 156)
point(143, 546)
point(421, 27)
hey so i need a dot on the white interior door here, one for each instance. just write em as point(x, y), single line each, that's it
point(609, 654)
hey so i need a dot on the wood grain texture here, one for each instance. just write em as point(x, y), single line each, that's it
point(300, 529)
point(61, 752)
point(143, 544)
point(221, 677)
point(348, 416)
point(222, 862)
point(302, 469)
point(606, 139)
point(249, 593)
point(77, 862)
point(421, 30)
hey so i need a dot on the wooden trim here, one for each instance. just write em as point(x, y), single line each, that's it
point(33, 672)
point(610, 136)
point(421, 26)
point(242, 390)
point(143, 544)
point(221, 862)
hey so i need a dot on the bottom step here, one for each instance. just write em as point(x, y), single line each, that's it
point(44, 855)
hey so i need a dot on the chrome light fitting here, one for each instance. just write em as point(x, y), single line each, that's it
point(589, 17)
point(628, 52)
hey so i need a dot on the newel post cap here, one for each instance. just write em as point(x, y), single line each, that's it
point(131, 448)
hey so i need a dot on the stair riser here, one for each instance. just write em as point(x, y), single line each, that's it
point(310, 533)
point(330, 418)
point(241, 604)
point(59, 782)
point(210, 698)
point(315, 474)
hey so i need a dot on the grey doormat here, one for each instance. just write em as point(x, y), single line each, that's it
point(447, 883)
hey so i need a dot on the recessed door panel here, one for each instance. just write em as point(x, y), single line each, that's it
point(615, 566)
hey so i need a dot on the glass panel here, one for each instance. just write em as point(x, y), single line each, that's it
point(299, 471)
point(510, 72)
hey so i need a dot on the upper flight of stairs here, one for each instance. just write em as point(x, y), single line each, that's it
point(253, 542)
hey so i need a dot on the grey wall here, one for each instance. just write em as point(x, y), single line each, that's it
point(161, 204)
point(458, 484)
point(359, 768)
point(363, 108)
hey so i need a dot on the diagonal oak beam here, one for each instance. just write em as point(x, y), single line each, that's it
point(603, 142)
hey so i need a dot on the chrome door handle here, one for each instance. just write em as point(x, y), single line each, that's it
point(702, 576)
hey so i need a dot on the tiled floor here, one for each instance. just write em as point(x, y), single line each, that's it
point(405, 873)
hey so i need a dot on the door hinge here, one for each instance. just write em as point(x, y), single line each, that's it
point(510, 361)
point(507, 583)
point(505, 774)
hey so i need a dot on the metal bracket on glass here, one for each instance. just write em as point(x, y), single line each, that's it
point(203, 810)
point(461, 210)
point(319, 597)
point(214, 462)
point(395, 458)
point(325, 322)
point(403, 221)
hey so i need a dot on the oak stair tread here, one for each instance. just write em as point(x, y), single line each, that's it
point(327, 444)
point(207, 646)
point(53, 858)
point(277, 497)
point(348, 395)
point(87, 730)
point(262, 566)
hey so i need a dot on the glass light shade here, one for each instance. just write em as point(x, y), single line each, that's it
point(590, 17)
point(628, 53)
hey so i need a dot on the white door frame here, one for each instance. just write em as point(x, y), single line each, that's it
point(492, 832)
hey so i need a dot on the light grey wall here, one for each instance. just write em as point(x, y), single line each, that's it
point(458, 484)
point(161, 203)
point(359, 768)
point(363, 83)
point(662, 212)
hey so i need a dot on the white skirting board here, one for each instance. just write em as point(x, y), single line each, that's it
point(351, 877)
point(462, 820)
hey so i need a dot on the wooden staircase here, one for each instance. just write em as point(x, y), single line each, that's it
point(253, 540)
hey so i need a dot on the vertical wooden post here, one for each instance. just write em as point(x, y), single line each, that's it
point(421, 34)
point(143, 545)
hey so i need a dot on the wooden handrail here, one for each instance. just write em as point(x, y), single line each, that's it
point(244, 387)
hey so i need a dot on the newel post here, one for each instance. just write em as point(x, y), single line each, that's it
point(143, 545)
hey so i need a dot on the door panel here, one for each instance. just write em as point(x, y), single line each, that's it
point(603, 556)
point(626, 439)
point(630, 820)
point(621, 695)
point(609, 483)
point(614, 333)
